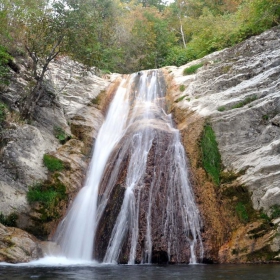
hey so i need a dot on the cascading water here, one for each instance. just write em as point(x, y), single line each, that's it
point(137, 204)
point(75, 234)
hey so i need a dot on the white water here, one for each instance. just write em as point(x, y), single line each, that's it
point(143, 122)
point(75, 234)
point(147, 119)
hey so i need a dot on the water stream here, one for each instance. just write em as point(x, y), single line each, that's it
point(138, 155)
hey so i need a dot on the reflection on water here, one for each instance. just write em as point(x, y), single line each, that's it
point(122, 272)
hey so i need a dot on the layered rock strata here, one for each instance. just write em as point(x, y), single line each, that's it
point(237, 90)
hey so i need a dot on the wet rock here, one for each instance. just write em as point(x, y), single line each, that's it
point(17, 245)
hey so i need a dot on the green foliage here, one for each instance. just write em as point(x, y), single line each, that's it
point(180, 98)
point(242, 212)
point(4, 69)
point(192, 69)
point(182, 88)
point(221, 108)
point(179, 56)
point(265, 117)
point(211, 159)
point(96, 100)
point(3, 109)
point(275, 211)
point(10, 220)
point(264, 216)
point(244, 102)
point(228, 177)
point(52, 163)
point(60, 134)
point(46, 194)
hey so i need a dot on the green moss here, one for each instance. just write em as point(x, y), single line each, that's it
point(4, 69)
point(244, 102)
point(275, 211)
point(182, 88)
point(60, 134)
point(221, 108)
point(239, 202)
point(242, 213)
point(265, 117)
point(10, 220)
point(52, 163)
point(180, 98)
point(192, 69)
point(228, 177)
point(211, 159)
point(46, 193)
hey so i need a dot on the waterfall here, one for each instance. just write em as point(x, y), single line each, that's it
point(137, 205)
point(75, 233)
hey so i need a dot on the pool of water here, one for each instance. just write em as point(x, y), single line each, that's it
point(123, 272)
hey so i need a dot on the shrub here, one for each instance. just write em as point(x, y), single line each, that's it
point(60, 134)
point(182, 88)
point(46, 193)
point(52, 163)
point(192, 69)
point(10, 220)
point(180, 98)
point(211, 159)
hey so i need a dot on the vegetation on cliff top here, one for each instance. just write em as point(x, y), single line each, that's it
point(126, 36)
point(122, 35)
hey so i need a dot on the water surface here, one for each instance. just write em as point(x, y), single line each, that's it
point(123, 272)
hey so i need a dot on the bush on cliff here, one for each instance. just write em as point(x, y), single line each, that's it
point(52, 163)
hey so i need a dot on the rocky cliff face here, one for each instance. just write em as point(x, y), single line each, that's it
point(65, 123)
point(237, 91)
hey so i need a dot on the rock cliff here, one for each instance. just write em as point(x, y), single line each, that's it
point(65, 123)
point(237, 92)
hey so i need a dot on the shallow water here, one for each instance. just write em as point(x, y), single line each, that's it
point(123, 272)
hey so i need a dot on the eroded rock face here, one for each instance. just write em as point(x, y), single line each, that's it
point(67, 105)
point(17, 245)
point(237, 90)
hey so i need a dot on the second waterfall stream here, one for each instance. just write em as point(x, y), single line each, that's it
point(137, 205)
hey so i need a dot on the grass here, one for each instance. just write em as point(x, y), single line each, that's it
point(221, 108)
point(10, 220)
point(46, 193)
point(241, 104)
point(52, 163)
point(275, 211)
point(60, 134)
point(241, 212)
point(192, 69)
point(182, 88)
point(244, 102)
point(180, 98)
point(211, 159)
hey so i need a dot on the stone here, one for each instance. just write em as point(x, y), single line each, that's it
point(17, 245)
point(237, 90)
